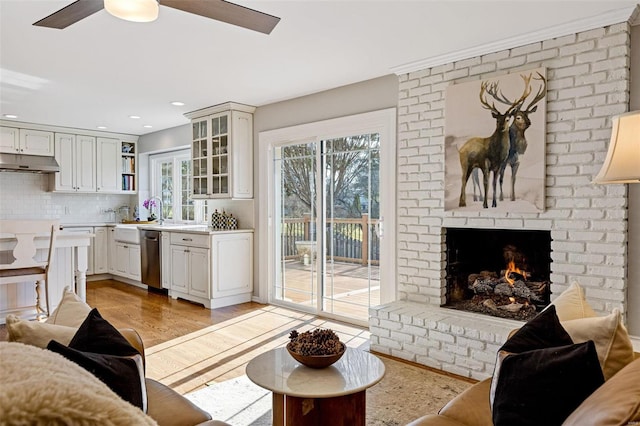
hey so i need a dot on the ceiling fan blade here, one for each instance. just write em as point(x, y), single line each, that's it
point(71, 14)
point(224, 11)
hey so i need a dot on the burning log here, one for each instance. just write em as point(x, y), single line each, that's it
point(511, 307)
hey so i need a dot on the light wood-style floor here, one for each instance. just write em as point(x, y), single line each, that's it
point(188, 346)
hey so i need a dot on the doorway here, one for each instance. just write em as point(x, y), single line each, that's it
point(328, 202)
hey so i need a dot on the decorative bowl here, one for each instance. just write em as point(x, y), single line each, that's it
point(317, 361)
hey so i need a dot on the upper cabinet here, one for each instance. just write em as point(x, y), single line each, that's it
point(76, 155)
point(222, 151)
point(26, 141)
point(94, 164)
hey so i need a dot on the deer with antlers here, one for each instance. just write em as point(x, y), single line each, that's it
point(517, 140)
point(489, 153)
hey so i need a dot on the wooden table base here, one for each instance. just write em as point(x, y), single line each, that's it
point(347, 410)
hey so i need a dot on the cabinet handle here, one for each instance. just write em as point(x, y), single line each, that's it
point(125, 246)
point(187, 239)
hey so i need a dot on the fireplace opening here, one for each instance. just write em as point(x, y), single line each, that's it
point(499, 272)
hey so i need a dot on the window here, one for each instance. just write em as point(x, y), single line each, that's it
point(171, 181)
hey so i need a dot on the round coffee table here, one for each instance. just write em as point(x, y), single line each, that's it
point(304, 396)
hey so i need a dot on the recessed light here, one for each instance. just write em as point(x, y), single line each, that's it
point(134, 117)
point(102, 127)
point(10, 116)
point(147, 126)
point(177, 103)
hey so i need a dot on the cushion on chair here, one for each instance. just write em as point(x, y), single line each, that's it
point(37, 333)
point(71, 311)
point(101, 349)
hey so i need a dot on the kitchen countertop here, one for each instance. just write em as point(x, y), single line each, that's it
point(187, 228)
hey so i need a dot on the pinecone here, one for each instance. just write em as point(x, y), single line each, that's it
point(316, 342)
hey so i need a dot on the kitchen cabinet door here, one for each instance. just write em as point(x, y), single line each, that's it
point(233, 261)
point(9, 140)
point(135, 268)
point(165, 260)
point(199, 265)
point(36, 142)
point(180, 269)
point(108, 165)
point(122, 259)
point(111, 247)
point(100, 248)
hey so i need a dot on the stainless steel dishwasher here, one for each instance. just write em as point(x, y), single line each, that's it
point(150, 258)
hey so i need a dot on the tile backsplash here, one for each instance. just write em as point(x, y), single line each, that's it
point(27, 196)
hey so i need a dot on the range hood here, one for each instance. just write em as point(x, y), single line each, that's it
point(28, 163)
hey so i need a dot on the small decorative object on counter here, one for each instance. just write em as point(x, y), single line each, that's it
point(217, 220)
point(149, 204)
point(232, 222)
point(316, 349)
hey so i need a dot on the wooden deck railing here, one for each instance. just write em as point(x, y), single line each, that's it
point(354, 239)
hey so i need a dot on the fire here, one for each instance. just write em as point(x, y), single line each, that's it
point(512, 299)
point(512, 268)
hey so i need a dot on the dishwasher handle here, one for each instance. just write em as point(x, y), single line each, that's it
point(151, 239)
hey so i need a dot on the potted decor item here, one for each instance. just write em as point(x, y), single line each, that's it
point(150, 204)
point(315, 349)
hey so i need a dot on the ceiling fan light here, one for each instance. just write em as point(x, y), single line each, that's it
point(133, 10)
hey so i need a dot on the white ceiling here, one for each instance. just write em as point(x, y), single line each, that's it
point(101, 70)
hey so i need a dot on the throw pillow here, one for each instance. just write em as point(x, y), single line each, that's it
point(572, 304)
point(71, 311)
point(612, 341)
point(37, 333)
point(40, 387)
point(101, 349)
point(543, 331)
point(543, 386)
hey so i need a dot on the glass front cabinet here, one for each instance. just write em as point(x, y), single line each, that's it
point(222, 151)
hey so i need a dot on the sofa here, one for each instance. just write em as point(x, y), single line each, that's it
point(567, 366)
point(616, 402)
point(40, 386)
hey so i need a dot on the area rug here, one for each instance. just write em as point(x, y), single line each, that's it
point(405, 393)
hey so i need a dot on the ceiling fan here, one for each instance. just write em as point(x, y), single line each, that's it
point(219, 10)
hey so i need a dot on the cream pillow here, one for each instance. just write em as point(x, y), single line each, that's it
point(613, 345)
point(71, 311)
point(572, 304)
point(37, 333)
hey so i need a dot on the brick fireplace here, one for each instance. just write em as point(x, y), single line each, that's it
point(588, 82)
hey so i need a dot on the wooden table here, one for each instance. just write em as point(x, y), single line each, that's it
point(304, 396)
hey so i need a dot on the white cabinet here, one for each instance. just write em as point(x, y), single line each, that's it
point(76, 155)
point(97, 257)
point(108, 162)
point(26, 141)
point(127, 256)
point(128, 161)
point(190, 264)
point(232, 265)
point(100, 250)
point(222, 151)
point(9, 140)
point(212, 269)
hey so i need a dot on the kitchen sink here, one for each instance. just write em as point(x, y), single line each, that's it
point(127, 234)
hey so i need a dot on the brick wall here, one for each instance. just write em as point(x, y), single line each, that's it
point(588, 82)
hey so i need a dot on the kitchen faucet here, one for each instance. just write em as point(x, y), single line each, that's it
point(160, 216)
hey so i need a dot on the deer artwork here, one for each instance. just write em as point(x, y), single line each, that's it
point(517, 140)
point(488, 153)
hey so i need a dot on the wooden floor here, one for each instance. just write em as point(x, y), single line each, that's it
point(188, 346)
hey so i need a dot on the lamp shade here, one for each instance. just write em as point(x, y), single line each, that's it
point(622, 164)
point(133, 10)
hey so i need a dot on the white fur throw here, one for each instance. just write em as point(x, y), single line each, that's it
point(40, 387)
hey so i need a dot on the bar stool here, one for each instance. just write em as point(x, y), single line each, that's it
point(25, 267)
